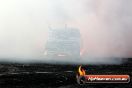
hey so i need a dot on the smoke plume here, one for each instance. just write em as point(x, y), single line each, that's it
point(105, 27)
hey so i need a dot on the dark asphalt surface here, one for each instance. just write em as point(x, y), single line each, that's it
point(56, 76)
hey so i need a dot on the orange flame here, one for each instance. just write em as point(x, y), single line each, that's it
point(81, 71)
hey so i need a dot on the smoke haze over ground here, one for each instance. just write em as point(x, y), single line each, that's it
point(105, 27)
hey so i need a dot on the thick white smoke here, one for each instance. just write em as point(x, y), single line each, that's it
point(105, 26)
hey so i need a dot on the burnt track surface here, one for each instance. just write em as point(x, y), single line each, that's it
point(56, 76)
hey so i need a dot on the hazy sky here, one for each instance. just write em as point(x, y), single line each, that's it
point(105, 26)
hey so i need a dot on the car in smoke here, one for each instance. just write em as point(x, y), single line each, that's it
point(63, 43)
